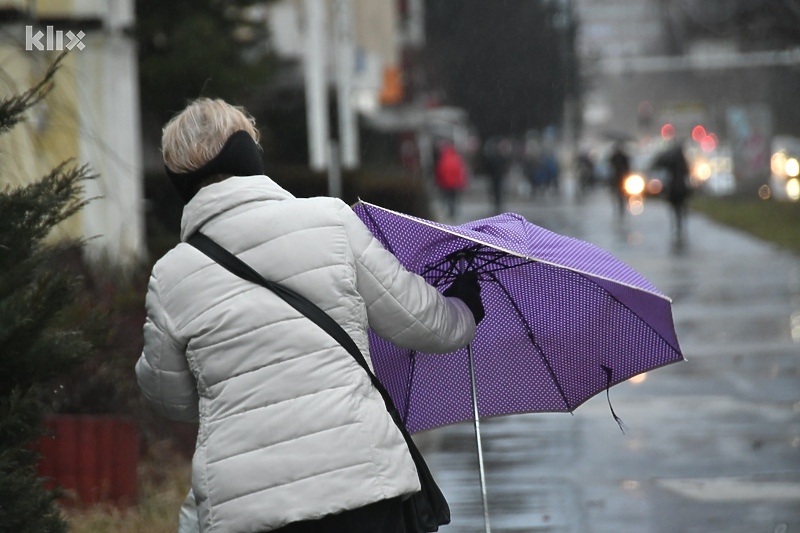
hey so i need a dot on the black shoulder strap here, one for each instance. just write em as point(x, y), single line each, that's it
point(236, 266)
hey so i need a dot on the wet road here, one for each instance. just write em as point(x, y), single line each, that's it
point(713, 444)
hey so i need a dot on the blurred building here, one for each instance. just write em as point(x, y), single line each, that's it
point(368, 72)
point(91, 116)
point(376, 37)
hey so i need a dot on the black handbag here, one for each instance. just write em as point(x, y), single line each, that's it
point(424, 511)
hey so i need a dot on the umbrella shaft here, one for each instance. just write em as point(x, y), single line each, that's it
point(477, 422)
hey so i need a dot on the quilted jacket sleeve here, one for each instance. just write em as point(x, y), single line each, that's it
point(401, 306)
point(162, 371)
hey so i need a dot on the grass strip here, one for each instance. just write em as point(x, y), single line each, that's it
point(774, 221)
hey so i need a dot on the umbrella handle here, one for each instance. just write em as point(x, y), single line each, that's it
point(476, 420)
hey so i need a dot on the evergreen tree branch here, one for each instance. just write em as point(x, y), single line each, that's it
point(13, 108)
point(39, 336)
point(30, 213)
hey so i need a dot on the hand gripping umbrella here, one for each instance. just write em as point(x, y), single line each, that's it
point(565, 320)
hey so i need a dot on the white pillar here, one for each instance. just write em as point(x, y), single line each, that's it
point(108, 117)
point(345, 70)
point(316, 85)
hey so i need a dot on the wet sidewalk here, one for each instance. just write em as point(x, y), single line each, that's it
point(713, 444)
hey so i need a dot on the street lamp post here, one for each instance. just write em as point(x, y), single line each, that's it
point(316, 85)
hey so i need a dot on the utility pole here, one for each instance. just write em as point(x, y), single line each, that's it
point(345, 53)
point(565, 24)
point(316, 85)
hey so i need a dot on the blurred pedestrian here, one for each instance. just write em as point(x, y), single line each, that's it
point(451, 176)
point(531, 160)
point(540, 163)
point(678, 188)
point(620, 163)
point(584, 168)
point(292, 434)
point(548, 171)
point(497, 155)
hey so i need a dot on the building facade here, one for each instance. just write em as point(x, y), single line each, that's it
point(91, 116)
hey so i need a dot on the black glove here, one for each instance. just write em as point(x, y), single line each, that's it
point(467, 289)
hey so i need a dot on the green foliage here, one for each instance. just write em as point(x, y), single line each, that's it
point(197, 48)
point(33, 292)
point(506, 62)
point(14, 107)
point(24, 505)
point(37, 338)
point(774, 221)
point(111, 314)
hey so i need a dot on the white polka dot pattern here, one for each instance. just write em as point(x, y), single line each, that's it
point(557, 310)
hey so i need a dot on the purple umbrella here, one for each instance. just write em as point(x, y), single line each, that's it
point(565, 320)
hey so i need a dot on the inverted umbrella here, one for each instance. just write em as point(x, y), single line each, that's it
point(565, 320)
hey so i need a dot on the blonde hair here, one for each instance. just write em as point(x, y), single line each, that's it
point(197, 134)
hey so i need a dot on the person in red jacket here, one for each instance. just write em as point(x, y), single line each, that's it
point(451, 176)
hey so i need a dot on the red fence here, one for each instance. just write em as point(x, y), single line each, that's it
point(92, 458)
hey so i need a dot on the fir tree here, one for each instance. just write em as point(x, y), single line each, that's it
point(38, 336)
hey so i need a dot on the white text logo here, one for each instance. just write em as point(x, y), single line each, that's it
point(54, 40)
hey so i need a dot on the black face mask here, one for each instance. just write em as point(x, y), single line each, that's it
point(239, 156)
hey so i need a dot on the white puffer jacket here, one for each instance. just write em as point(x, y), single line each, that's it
point(290, 426)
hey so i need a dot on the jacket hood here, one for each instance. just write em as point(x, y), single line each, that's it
point(216, 198)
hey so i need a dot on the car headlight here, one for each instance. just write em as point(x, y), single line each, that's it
point(634, 184)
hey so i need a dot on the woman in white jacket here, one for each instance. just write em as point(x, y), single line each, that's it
point(293, 436)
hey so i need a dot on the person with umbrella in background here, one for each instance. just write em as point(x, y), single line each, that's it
point(293, 435)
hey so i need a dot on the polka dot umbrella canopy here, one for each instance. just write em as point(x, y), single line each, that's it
point(564, 321)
